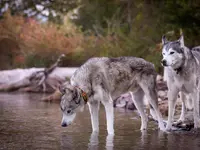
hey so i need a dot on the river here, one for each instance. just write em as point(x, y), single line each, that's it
point(27, 123)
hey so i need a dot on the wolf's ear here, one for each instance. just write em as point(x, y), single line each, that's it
point(164, 40)
point(181, 40)
point(76, 95)
point(63, 87)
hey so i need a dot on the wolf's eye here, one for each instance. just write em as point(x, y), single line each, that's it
point(163, 53)
point(171, 53)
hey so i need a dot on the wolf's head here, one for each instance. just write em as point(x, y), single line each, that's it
point(72, 100)
point(173, 52)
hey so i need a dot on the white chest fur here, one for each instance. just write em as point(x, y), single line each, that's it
point(185, 85)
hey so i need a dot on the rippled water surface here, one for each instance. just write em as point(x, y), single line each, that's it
point(28, 123)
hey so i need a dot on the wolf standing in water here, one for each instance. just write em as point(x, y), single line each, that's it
point(104, 79)
point(183, 74)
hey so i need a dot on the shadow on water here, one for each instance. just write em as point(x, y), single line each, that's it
point(28, 123)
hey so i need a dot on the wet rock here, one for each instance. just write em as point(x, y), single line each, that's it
point(124, 101)
point(163, 106)
point(162, 95)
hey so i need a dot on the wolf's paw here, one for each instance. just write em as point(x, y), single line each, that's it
point(177, 123)
point(162, 127)
point(168, 128)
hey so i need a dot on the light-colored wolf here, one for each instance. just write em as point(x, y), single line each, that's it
point(182, 71)
point(104, 79)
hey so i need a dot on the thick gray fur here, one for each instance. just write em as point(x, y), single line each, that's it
point(182, 71)
point(104, 79)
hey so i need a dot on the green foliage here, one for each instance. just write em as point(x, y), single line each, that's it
point(122, 32)
point(103, 28)
point(134, 28)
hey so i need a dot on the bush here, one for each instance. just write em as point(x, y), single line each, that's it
point(41, 44)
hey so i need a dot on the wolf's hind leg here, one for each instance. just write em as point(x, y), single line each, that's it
point(137, 98)
point(148, 87)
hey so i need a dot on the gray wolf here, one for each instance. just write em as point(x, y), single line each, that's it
point(182, 71)
point(104, 79)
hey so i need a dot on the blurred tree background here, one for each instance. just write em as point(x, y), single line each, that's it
point(34, 32)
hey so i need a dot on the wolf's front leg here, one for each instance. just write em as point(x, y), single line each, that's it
point(172, 96)
point(183, 108)
point(94, 112)
point(109, 115)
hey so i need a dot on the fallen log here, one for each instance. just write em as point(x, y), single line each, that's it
point(15, 85)
point(56, 96)
point(35, 79)
point(39, 78)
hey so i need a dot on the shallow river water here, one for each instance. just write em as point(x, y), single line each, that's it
point(29, 124)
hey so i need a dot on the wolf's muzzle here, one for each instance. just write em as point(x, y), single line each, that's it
point(64, 124)
point(164, 62)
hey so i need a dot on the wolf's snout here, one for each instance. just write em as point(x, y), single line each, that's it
point(164, 62)
point(64, 124)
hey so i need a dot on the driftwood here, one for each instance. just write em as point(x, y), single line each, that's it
point(38, 81)
point(39, 78)
point(15, 86)
point(56, 96)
